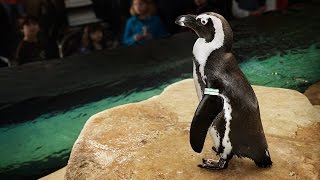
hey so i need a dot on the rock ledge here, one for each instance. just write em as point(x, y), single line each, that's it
point(150, 139)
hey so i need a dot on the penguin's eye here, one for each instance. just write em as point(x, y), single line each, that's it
point(204, 21)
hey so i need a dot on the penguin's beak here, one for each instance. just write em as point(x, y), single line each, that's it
point(203, 31)
point(188, 20)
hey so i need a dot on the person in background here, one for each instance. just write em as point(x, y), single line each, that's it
point(143, 24)
point(30, 49)
point(92, 39)
point(244, 8)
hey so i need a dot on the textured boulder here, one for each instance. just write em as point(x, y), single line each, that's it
point(150, 140)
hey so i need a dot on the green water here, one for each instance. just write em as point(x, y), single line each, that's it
point(294, 69)
point(51, 136)
point(46, 141)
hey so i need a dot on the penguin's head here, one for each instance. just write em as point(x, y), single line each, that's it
point(209, 26)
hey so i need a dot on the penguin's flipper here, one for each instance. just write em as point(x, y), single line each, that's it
point(209, 107)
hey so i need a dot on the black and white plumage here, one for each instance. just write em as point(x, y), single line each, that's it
point(232, 115)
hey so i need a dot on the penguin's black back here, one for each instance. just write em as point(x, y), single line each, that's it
point(246, 132)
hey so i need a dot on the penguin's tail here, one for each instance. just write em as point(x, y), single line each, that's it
point(265, 161)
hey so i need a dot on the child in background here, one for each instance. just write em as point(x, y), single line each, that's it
point(143, 25)
point(92, 39)
point(30, 49)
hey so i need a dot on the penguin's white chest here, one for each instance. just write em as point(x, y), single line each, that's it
point(201, 54)
point(226, 143)
point(216, 136)
point(203, 49)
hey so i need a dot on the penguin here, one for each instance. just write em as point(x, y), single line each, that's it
point(228, 107)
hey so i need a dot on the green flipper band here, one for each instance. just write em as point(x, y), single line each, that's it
point(210, 91)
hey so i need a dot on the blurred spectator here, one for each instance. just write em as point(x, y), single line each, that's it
point(30, 49)
point(244, 8)
point(92, 39)
point(143, 25)
point(274, 5)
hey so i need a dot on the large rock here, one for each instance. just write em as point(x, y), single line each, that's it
point(150, 140)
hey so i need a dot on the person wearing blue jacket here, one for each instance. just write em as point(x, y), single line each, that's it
point(143, 25)
point(244, 8)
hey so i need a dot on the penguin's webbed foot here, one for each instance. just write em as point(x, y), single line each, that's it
point(213, 164)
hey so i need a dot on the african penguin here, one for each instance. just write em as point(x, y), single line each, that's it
point(228, 107)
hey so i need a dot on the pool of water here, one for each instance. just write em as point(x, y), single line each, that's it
point(35, 148)
point(294, 69)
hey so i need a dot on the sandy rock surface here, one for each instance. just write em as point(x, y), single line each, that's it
point(150, 140)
